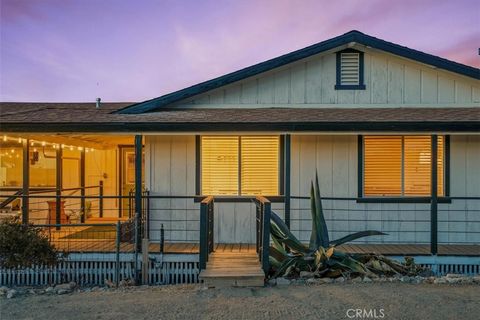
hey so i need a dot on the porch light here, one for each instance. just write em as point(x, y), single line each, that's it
point(71, 148)
point(4, 138)
point(19, 140)
point(43, 143)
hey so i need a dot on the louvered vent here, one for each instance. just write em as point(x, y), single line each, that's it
point(350, 68)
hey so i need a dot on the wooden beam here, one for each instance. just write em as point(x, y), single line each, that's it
point(59, 186)
point(287, 165)
point(82, 186)
point(434, 196)
point(138, 184)
point(26, 180)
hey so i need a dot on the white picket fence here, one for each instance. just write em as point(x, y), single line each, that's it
point(95, 269)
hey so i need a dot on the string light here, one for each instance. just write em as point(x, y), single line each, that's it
point(45, 143)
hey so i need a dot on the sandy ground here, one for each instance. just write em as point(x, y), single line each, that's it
point(331, 301)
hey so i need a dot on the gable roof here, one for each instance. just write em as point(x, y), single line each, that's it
point(352, 36)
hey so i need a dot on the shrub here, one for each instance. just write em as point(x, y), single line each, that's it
point(24, 245)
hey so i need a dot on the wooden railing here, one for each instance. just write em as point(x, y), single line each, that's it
point(263, 213)
point(206, 230)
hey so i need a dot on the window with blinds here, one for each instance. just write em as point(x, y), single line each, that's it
point(259, 165)
point(234, 165)
point(349, 68)
point(400, 165)
point(220, 165)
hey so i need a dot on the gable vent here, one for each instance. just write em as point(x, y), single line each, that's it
point(350, 68)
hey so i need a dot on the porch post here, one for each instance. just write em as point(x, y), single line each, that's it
point(138, 185)
point(26, 180)
point(58, 199)
point(82, 185)
point(434, 197)
point(287, 179)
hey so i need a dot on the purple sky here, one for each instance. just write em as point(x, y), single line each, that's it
point(61, 50)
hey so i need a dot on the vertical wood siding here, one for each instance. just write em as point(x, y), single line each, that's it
point(335, 160)
point(389, 80)
point(170, 170)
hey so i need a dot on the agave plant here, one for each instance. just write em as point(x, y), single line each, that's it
point(289, 256)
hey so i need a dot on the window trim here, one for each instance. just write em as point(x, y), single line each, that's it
point(361, 85)
point(402, 199)
point(233, 198)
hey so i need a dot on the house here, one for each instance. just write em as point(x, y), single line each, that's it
point(393, 133)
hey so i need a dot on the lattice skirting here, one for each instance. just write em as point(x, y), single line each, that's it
point(442, 265)
point(96, 269)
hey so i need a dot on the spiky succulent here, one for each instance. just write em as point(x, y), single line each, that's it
point(289, 256)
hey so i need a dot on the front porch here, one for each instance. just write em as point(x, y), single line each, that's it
point(89, 205)
point(67, 178)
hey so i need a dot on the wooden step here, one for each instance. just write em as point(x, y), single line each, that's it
point(233, 269)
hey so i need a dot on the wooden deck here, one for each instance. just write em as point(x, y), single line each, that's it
point(385, 249)
point(82, 239)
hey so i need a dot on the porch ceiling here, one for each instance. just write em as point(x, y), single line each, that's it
point(99, 142)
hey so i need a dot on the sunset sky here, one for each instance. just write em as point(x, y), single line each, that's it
point(119, 50)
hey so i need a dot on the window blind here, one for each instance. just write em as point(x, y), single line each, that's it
point(417, 155)
point(259, 165)
point(401, 165)
point(349, 68)
point(382, 165)
point(219, 158)
point(233, 165)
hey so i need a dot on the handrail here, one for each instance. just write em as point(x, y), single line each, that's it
point(425, 199)
point(263, 214)
point(47, 189)
point(206, 230)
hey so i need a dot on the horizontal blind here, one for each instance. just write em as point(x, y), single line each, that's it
point(259, 165)
point(382, 165)
point(349, 68)
point(219, 165)
point(417, 163)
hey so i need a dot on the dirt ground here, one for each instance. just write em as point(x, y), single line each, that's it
point(330, 301)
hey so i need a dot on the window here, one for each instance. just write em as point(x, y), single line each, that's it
point(350, 70)
point(234, 165)
point(400, 165)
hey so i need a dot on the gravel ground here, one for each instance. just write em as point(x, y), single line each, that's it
point(328, 301)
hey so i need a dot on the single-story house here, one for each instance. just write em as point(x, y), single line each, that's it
point(393, 133)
